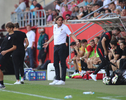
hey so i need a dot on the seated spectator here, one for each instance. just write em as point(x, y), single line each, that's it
point(74, 59)
point(49, 18)
point(67, 18)
point(100, 2)
point(89, 52)
point(54, 14)
point(121, 40)
point(121, 62)
point(75, 12)
point(66, 12)
point(73, 4)
point(107, 11)
point(123, 12)
point(89, 10)
point(81, 13)
point(105, 2)
point(85, 9)
point(116, 53)
point(57, 7)
point(117, 11)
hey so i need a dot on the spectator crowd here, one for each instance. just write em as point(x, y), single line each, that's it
point(72, 9)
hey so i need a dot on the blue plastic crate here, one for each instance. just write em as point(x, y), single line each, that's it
point(32, 76)
point(40, 75)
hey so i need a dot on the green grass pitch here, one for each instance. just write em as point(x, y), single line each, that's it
point(40, 90)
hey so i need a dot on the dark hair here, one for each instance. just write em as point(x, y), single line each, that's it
point(108, 10)
point(79, 40)
point(114, 42)
point(83, 41)
point(10, 25)
point(29, 25)
point(92, 40)
point(59, 17)
point(16, 25)
point(121, 39)
point(117, 29)
point(98, 37)
point(96, 4)
point(123, 42)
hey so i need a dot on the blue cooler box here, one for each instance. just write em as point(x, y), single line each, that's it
point(40, 75)
point(37, 76)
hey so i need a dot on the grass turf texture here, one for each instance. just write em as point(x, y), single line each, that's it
point(74, 87)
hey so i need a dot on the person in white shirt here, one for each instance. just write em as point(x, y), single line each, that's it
point(30, 49)
point(60, 31)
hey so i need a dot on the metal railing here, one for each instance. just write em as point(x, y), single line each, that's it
point(87, 16)
point(36, 18)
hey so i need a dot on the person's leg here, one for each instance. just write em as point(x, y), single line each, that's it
point(21, 68)
point(56, 63)
point(62, 56)
point(16, 63)
point(1, 77)
point(39, 58)
point(31, 57)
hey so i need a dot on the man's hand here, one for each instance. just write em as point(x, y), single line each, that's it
point(70, 60)
point(45, 45)
point(3, 53)
point(105, 53)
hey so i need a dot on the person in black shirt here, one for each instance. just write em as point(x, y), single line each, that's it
point(7, 47)
point(121, 62)
point(102, 50)
point(116, 53)
point(19, 53)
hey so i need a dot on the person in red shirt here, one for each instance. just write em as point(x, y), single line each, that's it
point(66, 12)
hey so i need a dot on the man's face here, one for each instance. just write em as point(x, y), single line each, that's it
point(8, 29)
point(84, 44)
point(115, 32)
point(122, 46)
point(96, 40)
point(112, 46)
point(92, 44)
point(28, 28)
point(34, 3)
point(59, 21)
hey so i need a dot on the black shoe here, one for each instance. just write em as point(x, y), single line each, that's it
point(22, 82)
point(2, 86)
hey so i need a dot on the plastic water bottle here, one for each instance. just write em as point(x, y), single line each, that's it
point(68, 97)
point(88, 92)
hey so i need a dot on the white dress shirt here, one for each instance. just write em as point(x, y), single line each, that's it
point(31, 38)
point(60, 34)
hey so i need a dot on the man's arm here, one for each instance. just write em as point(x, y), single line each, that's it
point(27, 43)
point(9, 50)
point(47, 43)
point(103, 45)
point(36, 8)
point(75, 39)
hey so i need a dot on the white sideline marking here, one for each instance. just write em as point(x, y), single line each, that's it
point(34, 95)
point(108, 98)
point(8, 84)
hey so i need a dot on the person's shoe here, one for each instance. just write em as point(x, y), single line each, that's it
point(93, 77)
point(60, 82)
point(2, 86)
point(22, 81)
point(54, 82)
point(17, 82)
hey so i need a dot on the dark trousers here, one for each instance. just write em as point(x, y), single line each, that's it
point(18, 61)
point(42, 55)
point(31, 56)
point(104, 60)
point(60, 55)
